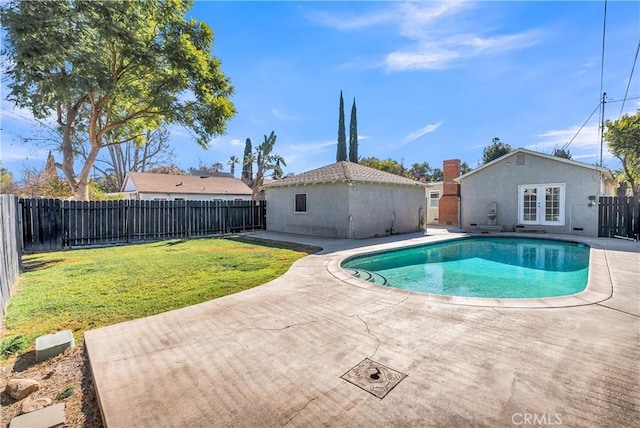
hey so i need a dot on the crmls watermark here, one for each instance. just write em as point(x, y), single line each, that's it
point(536, 419)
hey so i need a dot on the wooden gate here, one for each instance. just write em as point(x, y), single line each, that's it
point(619, 217)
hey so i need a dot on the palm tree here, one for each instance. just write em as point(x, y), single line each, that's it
point(217, 166)
point(233, 161)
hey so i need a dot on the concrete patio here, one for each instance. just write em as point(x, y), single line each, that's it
point(274, 356)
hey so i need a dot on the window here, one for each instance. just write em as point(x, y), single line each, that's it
point(434, 198)
point(300, 203)
point(541, 204)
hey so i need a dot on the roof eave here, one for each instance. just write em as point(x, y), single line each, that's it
point(314, 183)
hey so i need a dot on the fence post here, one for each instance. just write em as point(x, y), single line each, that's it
point(128, 219)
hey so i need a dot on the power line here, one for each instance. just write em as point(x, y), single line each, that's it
point(623, 100)
point(564, 148)
point(602, 93)
point(630, 79)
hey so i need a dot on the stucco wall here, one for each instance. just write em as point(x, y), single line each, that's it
point(499, 182)
point(380, 210)
point(341, 210)
point(327, 210)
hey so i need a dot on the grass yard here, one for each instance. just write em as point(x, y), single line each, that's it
point(85, 289)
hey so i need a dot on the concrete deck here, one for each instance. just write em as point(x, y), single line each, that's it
point(274, 355)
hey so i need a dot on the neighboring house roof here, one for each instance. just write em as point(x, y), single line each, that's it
point(605, 171)
point(146, 182)
point(342, 171)
point(201, 173)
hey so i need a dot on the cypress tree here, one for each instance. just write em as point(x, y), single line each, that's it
point(353, 135)
point(50, 171)
point(341, 154)
point(247, 162)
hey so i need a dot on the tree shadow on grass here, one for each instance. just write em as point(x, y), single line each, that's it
point(309, 249)
point(33, 265)
point(172, 243)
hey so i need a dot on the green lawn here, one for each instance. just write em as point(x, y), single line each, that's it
point(85, 289)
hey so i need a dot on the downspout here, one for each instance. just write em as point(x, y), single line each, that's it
point(459, 205)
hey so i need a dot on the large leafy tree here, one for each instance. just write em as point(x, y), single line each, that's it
point(424, 172)
point(100, 67)
point(387, 165)
point(7, 185)
point(126, 153)
point(341, 152)
point(495, 150)
point(623, 136)
point(353, 134)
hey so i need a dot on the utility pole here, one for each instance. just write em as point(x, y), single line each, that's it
point(604, 101)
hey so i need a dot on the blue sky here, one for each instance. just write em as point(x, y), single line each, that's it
point(432, 81)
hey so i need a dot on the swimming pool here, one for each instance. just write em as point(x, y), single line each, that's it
point(489, 267)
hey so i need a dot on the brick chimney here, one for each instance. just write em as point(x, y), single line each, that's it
point(449, 201)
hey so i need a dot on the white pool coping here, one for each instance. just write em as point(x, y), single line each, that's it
point(599, 285)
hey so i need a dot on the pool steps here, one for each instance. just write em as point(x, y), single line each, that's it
point(368, 276)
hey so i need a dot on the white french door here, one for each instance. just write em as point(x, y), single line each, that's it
point(541, 204)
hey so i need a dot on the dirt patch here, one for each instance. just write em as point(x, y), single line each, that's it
point(56, 375)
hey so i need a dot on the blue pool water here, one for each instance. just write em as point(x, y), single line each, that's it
point(480, 267)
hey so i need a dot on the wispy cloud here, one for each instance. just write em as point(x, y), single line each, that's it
point(440, 34)
point(586, 66)
point(587, 138)
point(584, 147)
point(413, 136)
point(352, 22)
point(431, 54)
point(283, 115)
point(236, 142)
point(13, 153)
point(312, 146)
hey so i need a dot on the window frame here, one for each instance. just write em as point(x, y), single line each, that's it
point(432, 199)
point(295, 203)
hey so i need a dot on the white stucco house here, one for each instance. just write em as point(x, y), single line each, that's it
point(526, 190)
point(345, 200)
point(146, 186)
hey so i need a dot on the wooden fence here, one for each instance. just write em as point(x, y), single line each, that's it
point(619, 216)
point(10, 248)
point(52, 224)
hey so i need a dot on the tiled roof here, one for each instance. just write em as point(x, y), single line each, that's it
point(343, 172)
point(147, 182)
